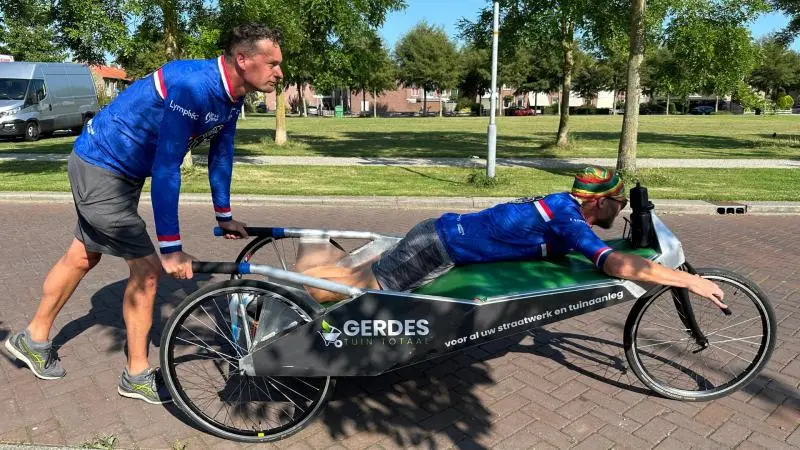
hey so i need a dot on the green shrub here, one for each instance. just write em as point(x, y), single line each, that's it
point(785, 102)
point(480, 180)
point(466, 104)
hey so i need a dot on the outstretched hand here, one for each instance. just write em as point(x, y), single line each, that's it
point(709, 290)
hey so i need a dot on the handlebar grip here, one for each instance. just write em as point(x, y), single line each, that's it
point(217, 267)
point(252, 231)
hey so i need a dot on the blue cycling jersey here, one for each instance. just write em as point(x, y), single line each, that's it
point(528, 228)
point(149, 128)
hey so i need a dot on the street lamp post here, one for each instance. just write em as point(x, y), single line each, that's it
point(490, 160)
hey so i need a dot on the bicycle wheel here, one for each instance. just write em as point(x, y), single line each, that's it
point(200, 350)
point(666, 358)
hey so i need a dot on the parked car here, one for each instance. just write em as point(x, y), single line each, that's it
point(39, 98)
point(702, 110)
point(261, 107)
point(520, 111)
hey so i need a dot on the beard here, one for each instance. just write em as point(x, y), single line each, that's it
point(606, 224)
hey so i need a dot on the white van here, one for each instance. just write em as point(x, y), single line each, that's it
point(39, 98)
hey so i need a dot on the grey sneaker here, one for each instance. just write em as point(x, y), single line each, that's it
point(40, 357)
point(148, 386)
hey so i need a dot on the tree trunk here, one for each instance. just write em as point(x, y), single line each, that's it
point(363, 102)
point(280, 117)
point(567, 42)
point(169, 11)
point(300, 88)
point(614, 102)
point(626, 159)
point(535, 103)
point(716, 105)
point(424, 102)
point(559, 102)
point(668, 98)
point(375, 101)
point(441, 105)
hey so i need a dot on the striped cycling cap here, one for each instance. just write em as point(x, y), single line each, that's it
point(595, 182)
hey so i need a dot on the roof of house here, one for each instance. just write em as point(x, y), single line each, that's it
point(114, 73)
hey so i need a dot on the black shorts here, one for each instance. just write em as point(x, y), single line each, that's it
point(417, 259)
point(107, 206)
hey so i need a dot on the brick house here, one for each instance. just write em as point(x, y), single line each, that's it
point(110, 80)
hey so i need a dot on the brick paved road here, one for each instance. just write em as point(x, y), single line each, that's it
point(564, 386)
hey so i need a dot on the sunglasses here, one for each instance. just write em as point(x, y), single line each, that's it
point(624, 201)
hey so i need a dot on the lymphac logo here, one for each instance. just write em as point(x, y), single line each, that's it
point(183, 111)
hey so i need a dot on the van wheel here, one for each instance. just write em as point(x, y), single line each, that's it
point(77, 130)
point(32, 131)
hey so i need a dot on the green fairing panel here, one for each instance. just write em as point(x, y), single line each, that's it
point(481, 281)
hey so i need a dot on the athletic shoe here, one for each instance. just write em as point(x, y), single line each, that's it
point(40, 357)
point(148, 386)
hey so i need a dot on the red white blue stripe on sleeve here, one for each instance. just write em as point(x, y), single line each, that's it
point(223, 213)
point(544, 210)
point(600, 256)
point(158, 80)
point(169, 244)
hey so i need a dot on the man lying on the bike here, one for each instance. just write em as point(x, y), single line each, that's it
point(527, 228)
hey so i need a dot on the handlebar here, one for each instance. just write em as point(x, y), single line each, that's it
point(220, 267)
point(252, 231)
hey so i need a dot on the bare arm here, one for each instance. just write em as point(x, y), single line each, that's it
point(632, 267)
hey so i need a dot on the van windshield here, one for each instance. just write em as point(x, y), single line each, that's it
point(13, 88)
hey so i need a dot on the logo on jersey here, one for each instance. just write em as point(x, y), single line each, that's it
point(185, 112)
point(234, 112)
point(208, 135)
point(527, 199)
point(211, 117)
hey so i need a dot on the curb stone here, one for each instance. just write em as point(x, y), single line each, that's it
point(663, 206)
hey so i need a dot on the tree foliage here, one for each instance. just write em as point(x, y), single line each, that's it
point(778, 69)
point(715, 55)
point(427, 59)
point(792, 30)
point(27, 33)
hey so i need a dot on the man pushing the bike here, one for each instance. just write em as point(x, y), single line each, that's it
point(524, 229)
point(146, 132)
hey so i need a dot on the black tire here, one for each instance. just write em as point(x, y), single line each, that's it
point(249, 411)
point(762, 322)
point(77, 130)
point(31, 131)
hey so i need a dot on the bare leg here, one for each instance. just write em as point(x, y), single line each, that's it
point(360, 277)
point(317, 253)
point(137, 309)
point(58, 287)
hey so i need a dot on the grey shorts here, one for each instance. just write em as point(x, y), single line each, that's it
point(107, 206)
point(417, 259)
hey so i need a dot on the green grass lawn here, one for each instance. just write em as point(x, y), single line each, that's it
point(702, 184)
point(724, 136)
